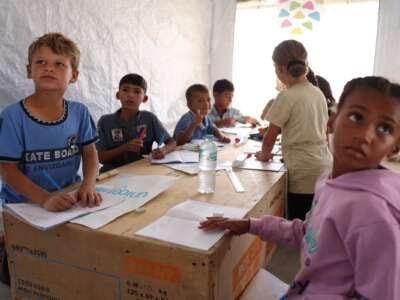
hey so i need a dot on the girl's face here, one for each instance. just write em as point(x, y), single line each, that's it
point(365, 130)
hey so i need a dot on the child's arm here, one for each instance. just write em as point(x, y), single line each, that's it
point(228, 122)
point(278, 230)
point(222, 138)
point(185, 136)
point(268, 143)
point(133, 145)
point(251, 120)
point(170, 146)
point(87, 194)
point(57, 201)
point(270, 228)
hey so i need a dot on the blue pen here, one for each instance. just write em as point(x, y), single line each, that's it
point(52, 181)
point(160, 141)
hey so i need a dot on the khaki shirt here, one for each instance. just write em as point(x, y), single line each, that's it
point(302, 114)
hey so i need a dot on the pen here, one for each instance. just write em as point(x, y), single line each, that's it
point(52, 181)
point(142, 133)
point(160, 141)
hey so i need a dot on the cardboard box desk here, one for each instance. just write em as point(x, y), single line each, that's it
point(73, 262)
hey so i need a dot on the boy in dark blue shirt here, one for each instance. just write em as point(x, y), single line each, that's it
point(129, 133)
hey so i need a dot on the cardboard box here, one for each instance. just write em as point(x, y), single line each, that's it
point(72, 262)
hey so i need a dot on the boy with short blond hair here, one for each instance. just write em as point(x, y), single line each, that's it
point(195, 124)
point(129, 133)
point(44, 136)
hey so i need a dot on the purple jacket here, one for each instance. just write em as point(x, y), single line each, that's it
point(350, 242)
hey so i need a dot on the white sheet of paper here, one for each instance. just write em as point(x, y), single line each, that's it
point(239, 129)
point(180, 224)
point(252, 163)
point(42, 219)
point(194, 145)
point(178, 156)
point(193, 168)
point(137, 190)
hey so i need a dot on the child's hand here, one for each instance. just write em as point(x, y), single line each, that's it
point(262, 130)
point(262, 156)
point(235, 226)
point(134, 145)
point(224, 139)
point(198, 118)
point(229, 122)
point(158, 153)
point(251, 120)
point(59, 201)
point(87, 196)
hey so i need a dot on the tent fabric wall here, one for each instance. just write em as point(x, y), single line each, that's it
point(171, 43)
point(387, 58)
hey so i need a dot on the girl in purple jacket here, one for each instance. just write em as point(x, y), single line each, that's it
point(350, 241)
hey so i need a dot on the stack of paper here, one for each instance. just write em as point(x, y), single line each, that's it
point(180, 224)
point(251, 163)
point(240, 129)
point(193, 168)
point(194, 145)
point(42, 219)
point(121, 195)
point(178, 156)
point(136, 191)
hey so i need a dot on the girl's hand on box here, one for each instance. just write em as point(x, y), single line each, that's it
point(262, 156)
point(59, 201)
point(234, 226)
point(87, 196)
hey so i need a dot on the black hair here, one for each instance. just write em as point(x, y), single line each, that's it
point(134, 79)
point(323, 85)
point(195, 88)
point(293, 55)
point(223, 85)
point(377, 83)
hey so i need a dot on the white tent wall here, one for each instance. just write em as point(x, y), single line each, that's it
point(171, 43)
point(387, 53)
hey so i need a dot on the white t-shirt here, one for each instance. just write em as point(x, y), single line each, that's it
point(301, 113)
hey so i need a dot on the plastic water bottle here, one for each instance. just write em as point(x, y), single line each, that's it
point(207, 166)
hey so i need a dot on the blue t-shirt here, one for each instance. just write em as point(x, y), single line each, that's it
point(206, 126)
point(48, 153)
point(114, 132)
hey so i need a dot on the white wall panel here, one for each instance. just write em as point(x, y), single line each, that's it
point(168, 42)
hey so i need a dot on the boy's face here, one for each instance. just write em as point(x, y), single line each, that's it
point(50, 71)
point(131, 96)
point(365, 129)
point(223, 100)
point(200, 102)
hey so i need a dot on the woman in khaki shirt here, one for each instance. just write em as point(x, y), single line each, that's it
point(300, 113)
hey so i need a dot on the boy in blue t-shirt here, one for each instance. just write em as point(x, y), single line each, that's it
point(43, 136)
point(128, 134)
point(195, 124)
